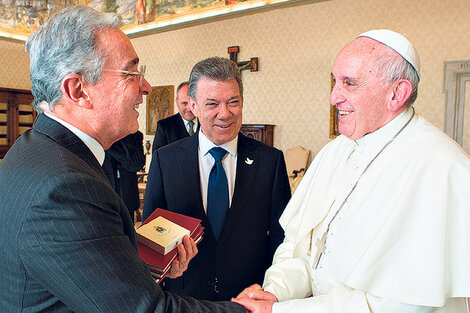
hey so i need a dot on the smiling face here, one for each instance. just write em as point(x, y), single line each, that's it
point(116, 97)
point(360, 95)
point(182, 101)
point(218, 107)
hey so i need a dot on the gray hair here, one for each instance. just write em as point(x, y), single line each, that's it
point(393, 68)
point(67, 43)
point(216, 68)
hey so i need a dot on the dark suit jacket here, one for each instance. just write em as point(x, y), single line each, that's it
point(127, 156)
point(67, 242)
point(251, 232)
point(169, 130)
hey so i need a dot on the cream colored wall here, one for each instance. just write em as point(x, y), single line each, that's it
point(296, 47)
point(14, 66)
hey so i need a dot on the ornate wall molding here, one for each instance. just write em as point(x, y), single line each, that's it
point(456, 75)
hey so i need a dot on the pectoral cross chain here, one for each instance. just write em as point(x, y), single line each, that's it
point(320, 244)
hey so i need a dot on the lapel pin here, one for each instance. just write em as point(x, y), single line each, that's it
point(248, 161)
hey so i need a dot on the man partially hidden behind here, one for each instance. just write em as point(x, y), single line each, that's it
point(381, 221)
point(237, 186)
point(178, 126)
point(122, 161)
point(67, 243)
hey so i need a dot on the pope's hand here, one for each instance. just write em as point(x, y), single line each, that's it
point(186, 251)
point(245, 292)
point(255, 300)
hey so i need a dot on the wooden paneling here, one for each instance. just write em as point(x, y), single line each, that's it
point(16, 116)
point(261, 132)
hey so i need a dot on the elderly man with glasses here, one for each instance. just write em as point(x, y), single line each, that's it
point(68, 242)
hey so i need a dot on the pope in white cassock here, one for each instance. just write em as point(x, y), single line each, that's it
point(381, 220)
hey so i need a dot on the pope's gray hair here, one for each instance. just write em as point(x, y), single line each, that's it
point(67, 43)
point(393, 68)
point(216, 68)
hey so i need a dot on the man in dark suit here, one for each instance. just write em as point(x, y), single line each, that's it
point(121, 163)
point(67, 241)
point(178, 126)
point(237, 186)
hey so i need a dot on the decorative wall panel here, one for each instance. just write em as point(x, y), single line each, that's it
point(14, 65)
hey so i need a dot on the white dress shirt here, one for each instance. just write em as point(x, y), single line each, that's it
point(90, 142)
point(206, 161)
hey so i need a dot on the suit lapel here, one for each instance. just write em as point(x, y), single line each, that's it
point(181, 129)
point(188, 170)
point(247, 167)
point(67, 139)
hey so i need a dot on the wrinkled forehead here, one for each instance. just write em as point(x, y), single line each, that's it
point(117, 48)
point(360, 57)
point(368, 48)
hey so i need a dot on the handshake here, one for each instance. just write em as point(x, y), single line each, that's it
point(256, 300)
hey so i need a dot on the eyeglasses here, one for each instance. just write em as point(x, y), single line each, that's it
point(141, 72)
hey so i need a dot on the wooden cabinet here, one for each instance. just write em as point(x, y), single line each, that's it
point(16, 116)
point(261, 132)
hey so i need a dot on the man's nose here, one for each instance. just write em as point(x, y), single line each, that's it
point(145, 88)
point(224, 111)
point(336, 95)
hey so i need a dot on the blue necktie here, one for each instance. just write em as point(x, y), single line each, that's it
point(217, 192)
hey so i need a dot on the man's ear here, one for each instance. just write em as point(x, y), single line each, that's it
point(72, 88)
point(193, 106)
point(401, 93)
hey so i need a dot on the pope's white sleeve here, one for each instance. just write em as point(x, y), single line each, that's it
point(289, 275)
point(342, 299)
point(288, 278)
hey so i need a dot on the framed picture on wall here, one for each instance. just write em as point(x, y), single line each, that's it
point(333, 122)
point(333, 116)
point(159, 105)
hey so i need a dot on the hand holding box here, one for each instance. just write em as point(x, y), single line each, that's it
point(161, 235)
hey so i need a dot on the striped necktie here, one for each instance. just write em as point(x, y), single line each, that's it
point(190, 128)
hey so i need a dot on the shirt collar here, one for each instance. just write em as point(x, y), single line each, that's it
point(385, 133)
point(185, 121)
point(205, 145)
point(90, 142)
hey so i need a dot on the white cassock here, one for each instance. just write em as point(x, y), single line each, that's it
point(401, 242)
